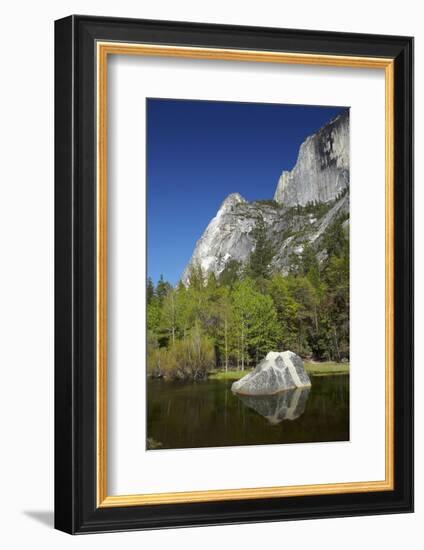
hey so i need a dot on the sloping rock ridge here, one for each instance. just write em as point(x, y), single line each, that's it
point(276, 373)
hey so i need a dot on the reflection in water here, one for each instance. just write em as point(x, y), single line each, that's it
point(286, 405)
point(208, 414)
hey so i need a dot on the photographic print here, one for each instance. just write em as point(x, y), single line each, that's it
point(247, 290)
point(209, 283)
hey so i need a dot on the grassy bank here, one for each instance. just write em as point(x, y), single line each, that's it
point(229, 375)
point(326, 368)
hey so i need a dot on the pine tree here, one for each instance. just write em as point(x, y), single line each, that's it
point(196, 277)
point(230, 274)
point(263, 253)
point(150, 290)
point(162, 289)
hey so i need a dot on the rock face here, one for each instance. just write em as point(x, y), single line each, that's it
point(286, 405)
point(276, 373)
point(229, 235)
point(321, 172)
point(226, 237)
point(321, 177)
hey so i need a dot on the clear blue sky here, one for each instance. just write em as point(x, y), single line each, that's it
point(198, 152)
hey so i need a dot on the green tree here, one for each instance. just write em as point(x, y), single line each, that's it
point(256, 320)
point(260, 259)
point(224, 332)
point(286, 308)
point(333, 335)
point(196, 277)
point(150, 291)
point(336, 308)
point(305, 297)
point(153, 315)
point(169, 315)
point(162, 289)
point(230, 274)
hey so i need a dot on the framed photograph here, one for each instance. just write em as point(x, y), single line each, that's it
point(234, 274)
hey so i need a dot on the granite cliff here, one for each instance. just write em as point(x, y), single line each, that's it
point(308, 200)
point(321, 172)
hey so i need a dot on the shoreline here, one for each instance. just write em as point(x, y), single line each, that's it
point(326, 368)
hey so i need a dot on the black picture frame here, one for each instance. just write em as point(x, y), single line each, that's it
point(76, 508)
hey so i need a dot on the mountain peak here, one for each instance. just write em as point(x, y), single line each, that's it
point(320, 178)
point(321, 171)
point(231, 200)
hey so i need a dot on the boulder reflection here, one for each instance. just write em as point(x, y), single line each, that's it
point(286, 405)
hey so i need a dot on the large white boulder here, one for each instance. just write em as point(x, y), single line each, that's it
point(279, 371)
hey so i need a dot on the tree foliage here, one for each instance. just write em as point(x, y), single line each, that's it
point(259, 266)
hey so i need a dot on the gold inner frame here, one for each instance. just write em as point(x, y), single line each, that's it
point(104, 49)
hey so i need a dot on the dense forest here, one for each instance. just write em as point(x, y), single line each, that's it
point(233, 321)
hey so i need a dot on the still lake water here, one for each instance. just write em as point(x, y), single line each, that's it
point(208, 414)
